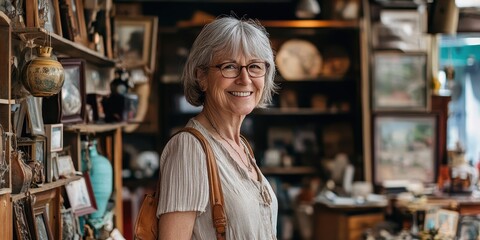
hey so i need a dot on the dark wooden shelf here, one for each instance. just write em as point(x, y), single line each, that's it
point(94, 128)
point(46, 187)
point(60, 44)
point(288, 170)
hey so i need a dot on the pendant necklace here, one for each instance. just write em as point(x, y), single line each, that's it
point(247, 165)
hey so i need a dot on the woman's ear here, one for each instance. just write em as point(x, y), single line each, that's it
point(202, 79)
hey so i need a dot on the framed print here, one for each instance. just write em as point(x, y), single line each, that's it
point(73, 21)
point(404, 147)
point(468, 227)
point(23, 215)
point(34, 113)
point(65, 166)
point(135, 41)
point(54, 134)
point(69, 224)
point(80, 196)
point(42, 225)
point(49, 11)
point(400, 82)
point(73, 90)
point(447, 222)
point(40, 149)
point(19, 113)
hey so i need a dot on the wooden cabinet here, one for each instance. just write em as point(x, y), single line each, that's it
point(344, 222)
point(48, 196)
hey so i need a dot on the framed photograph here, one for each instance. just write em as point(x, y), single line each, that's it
point(74, 27)
point(80, 196)
point(400, 82)
point(51, 16)
point(19, 112)
point(447, 222)
point(42, 225)
point(405, 147)
point(69, 224)
point(73, 90)
point(468, 227)
point(65, 166)
point(34, 113)
point(54, 134)
point(135, 41)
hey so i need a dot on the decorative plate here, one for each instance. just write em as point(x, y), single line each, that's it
point(299, 60)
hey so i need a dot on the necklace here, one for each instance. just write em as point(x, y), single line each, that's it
point(247, 165)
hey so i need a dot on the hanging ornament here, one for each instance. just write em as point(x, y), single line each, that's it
point(43, 76)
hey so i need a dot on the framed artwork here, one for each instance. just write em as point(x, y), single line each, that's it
point(65, 166)
point(468, 227)
point(447, 222)
point(34, 113)
point(23, 214)
point(404, 147)
point(42, 225)
point(69, 224)
point(135, 41)
point(54, 134)
point(73, 91)
point(19, 113)
point(74, 27)
point(80, 196)
point(51, 16)
point(400, 82)
point(40, 149)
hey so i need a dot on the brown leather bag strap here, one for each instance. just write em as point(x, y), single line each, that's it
point(216, 194)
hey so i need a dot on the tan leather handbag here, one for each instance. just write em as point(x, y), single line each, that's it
point(146, 225)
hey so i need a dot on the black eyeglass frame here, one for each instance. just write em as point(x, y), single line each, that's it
point(219, 66)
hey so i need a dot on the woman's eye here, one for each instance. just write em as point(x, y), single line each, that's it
point(229, 66)
point(255, 66)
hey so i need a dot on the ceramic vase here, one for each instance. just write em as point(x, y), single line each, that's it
point(43, 76)
point(101, 175)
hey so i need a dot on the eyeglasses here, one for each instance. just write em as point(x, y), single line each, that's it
point(232, 70)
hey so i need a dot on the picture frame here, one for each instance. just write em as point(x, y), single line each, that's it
point(468, 227)
point(405, 147)
point(34, 114)
point(447, 222)
point(135, 40)
point(73, 91)
point(73, 23)
point(80, 196)
point(54, 135)
point(65, 166)
point(19, 113)
point(40, 149)
point(52, 21)
point(42, 224)
point(23, 215)
point(69, 223)
point(399, 81)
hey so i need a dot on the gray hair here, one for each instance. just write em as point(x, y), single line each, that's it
point(227, 36)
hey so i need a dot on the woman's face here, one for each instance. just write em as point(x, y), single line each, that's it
point(239, 95)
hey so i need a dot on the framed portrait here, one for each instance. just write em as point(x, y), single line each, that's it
point(73, 91)
point(80, 196)
point(65, 166)
point(34, 113)
point(42, 225)
point(73, 23)
point(405, 147)
point(447, 222)
point(468, 227)
point(400, 82)
point(135, 41)
point(23, 215)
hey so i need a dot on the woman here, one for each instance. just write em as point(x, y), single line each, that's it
point(229, 72)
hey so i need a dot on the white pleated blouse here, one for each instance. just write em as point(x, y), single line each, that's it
point(251, 206)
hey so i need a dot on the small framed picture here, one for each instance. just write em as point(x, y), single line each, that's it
point(73, 90)
point(405, 147)
point(80, 196)
point(54, 133)
point(23, 215)
point(65, 166)
point(468, 227)
point(69, 224)
point(34, 113)
point(447, 222)
point(400, 82)
point(42, 225)
point(74, 27)
point(46, 14)
point(135, 41)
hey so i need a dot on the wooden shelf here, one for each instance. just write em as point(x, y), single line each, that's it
point(46, 186)
point(5, 191)
point(6, 101)
point(4, 19)
point(65, 46)
point(288, 170)
point(298, 111)
point(94, 128)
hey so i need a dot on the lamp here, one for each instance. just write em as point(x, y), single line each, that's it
point(307, 9)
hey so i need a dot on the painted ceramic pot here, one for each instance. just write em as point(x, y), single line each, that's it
point(43, 76)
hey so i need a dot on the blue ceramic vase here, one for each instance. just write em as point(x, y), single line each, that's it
point(101, 176)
